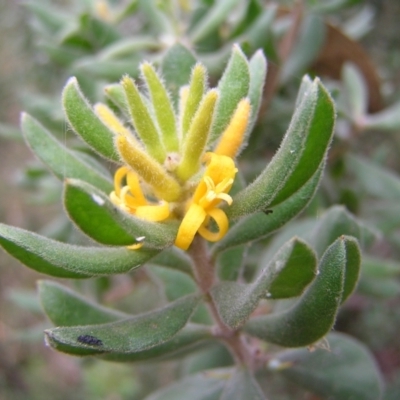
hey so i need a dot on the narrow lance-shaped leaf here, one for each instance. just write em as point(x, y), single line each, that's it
point(258, 74)
point(131, 335)
point(96, 216)
point(300, 155)
point(163, 108)
point(186, 340)
point(314, 314)
point(232, 87)
point(212, 19)
point(197, 87)
point(69, 261)
point(63, 162)
point(176, 68)
point(262, 224)
point(64, 307)
point(346, 370)
point(196, 138)
point(287, 275)
point(142, 120)
point(85, 122)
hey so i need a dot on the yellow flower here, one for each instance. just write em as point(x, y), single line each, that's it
point(211, 191)
point(164, 156)
point(131, 199)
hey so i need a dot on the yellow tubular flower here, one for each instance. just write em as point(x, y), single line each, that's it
point(232, 137)
point(211, 191)
point(131, 199)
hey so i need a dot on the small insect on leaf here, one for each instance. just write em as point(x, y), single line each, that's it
point(90, 340)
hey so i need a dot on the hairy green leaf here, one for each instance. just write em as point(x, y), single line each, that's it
point(346, 370)
point(288, 273)
point(301, 154)
point(314, 314)
point(131, 335)
point(232, 87)
point(242, 385)
point(94, 213)
point(63, 162)
point(65, 307)
point(69, 261)
point(85, 122)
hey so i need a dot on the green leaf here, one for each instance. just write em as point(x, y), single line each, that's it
point(95, 214)
point(242, 385)
point(346, 371)
point(190, 338)
point(230, 263)
point(314, 314)
point(176, 68)
point(175, 284)
point(356, 92)
point(174, 258)
point(68, 261)
point(85, 123)
point(309, 42)
point(203, 386)
point(287, 275)
point(128, 336)
point(212, 19)
point(352, 271)
point(301, 154)
point(258, 74)
point(260, 225)
point(115, 92)
point(373, 179)
point(338, 221)
point(232, 87)
point(64, 307)
point(63, 162)
point(163, 108)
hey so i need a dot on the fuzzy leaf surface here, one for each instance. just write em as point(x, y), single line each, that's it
point(232, 87)
point(260, 225)
point(63, 260)
point(128, 336)
point(100, 219)
point(85, 123)
point(64, 307)
point(288, 273)
point(302, 151)
point(63, 162)
point(314, 314)
point(186, 340)
point(346, 371)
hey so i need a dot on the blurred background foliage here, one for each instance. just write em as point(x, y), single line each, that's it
point(354, 45)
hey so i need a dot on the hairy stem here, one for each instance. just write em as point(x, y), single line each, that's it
point(204, 270)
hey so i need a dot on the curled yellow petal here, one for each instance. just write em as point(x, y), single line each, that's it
point(222, 222)
point(232, 137)
point(153, 212)
point(191, 223)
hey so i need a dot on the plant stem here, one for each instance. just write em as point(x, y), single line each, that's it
point(204, 270)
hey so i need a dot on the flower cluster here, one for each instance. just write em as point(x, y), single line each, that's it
point(167, 172)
